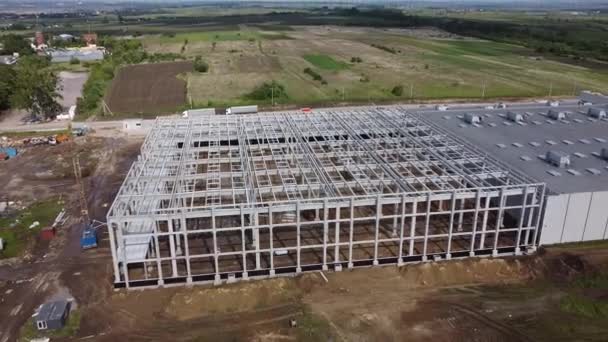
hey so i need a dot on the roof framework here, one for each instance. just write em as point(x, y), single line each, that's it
point(251, 183)
point(225, 161)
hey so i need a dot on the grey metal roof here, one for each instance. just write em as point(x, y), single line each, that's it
point(579, 136)
point(52, 311)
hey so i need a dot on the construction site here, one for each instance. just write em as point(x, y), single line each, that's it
point(222, 198)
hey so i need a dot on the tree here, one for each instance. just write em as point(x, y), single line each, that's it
point(12, 43)
point(200, 65)
point(268, 91)
point(397, 90)
point(7, 85)
point(36, 87)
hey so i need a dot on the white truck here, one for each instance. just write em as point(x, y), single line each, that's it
point(242, 110)
point(194, 113)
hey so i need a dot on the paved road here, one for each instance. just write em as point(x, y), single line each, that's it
point(117, 124)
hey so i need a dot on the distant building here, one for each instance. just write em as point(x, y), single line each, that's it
point(9, 59)
point(86, 54)
point(65, 37)
point(90, 38)
point(52, 315)
point(39, 38)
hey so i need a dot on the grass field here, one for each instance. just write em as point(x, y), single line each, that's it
point(325, 62)
point(430, 65)
point(15, 231)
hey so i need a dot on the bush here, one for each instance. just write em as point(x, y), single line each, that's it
point(315, 76)
point(385, 48)
point(74, 61)
point(267, 91)
point(200, 65)
point(397, 90)
point(356, 60)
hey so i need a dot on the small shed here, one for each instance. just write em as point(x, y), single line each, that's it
point(52, 315)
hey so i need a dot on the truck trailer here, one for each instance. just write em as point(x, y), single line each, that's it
point(242, 110)
point(194, 113)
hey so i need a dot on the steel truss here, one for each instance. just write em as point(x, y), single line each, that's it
point(229, 197)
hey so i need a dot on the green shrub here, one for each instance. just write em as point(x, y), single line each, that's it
point(267, 91)
point(200, 65)
point(315, 76)
point(397, 90)
point(74, 60)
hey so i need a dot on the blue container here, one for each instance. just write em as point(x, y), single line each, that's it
point(11, 152)
point(88, 238)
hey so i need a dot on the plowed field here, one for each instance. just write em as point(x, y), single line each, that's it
point(148, 88)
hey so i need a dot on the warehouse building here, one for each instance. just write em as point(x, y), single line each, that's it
point(246, 196)
point(563, 151)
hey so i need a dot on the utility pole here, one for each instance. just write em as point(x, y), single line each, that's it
point(574, 88)
point(483, 90)
point(551, 89)
point(411, 91)
point(272, 95)
point(343, 95)
point(84, 211)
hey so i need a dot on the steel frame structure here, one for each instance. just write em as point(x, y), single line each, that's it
point(228, 197)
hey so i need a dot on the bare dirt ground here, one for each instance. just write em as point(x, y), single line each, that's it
point(60, 268)
point(148, 88)
point(510, 299)
point(71, 87)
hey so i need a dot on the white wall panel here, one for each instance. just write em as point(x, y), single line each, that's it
point(553, 222)
point(595, 229)
point(575, 217)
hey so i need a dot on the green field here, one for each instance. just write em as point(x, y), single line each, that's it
point(325, 62)
point(428, 67)
point(15, 230)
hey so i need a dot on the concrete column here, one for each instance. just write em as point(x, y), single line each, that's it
point(271, 239)
point(413, 227)
point(484, 223)
point(337, 238)
point(402, 227)
point(350, 234)
point(243, 244)
point(377, 229)
point(298, 239)
point(395, 219)
point(448, 254)
point(111, 227)
point(461, 215)
point(426, 228)
point(256, 239)
point(161, 279)
point(217, 280)
point(325, 232)
point(186, 250)
point(499, 221)
point(172, 248)
point(178, 242)
point(475, 219)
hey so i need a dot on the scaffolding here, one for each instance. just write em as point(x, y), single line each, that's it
point(224, 198)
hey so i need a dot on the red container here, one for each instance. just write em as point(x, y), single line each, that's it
point(47, 233)
point(3, 156)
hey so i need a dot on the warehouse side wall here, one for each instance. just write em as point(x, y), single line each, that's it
point(575, 217)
